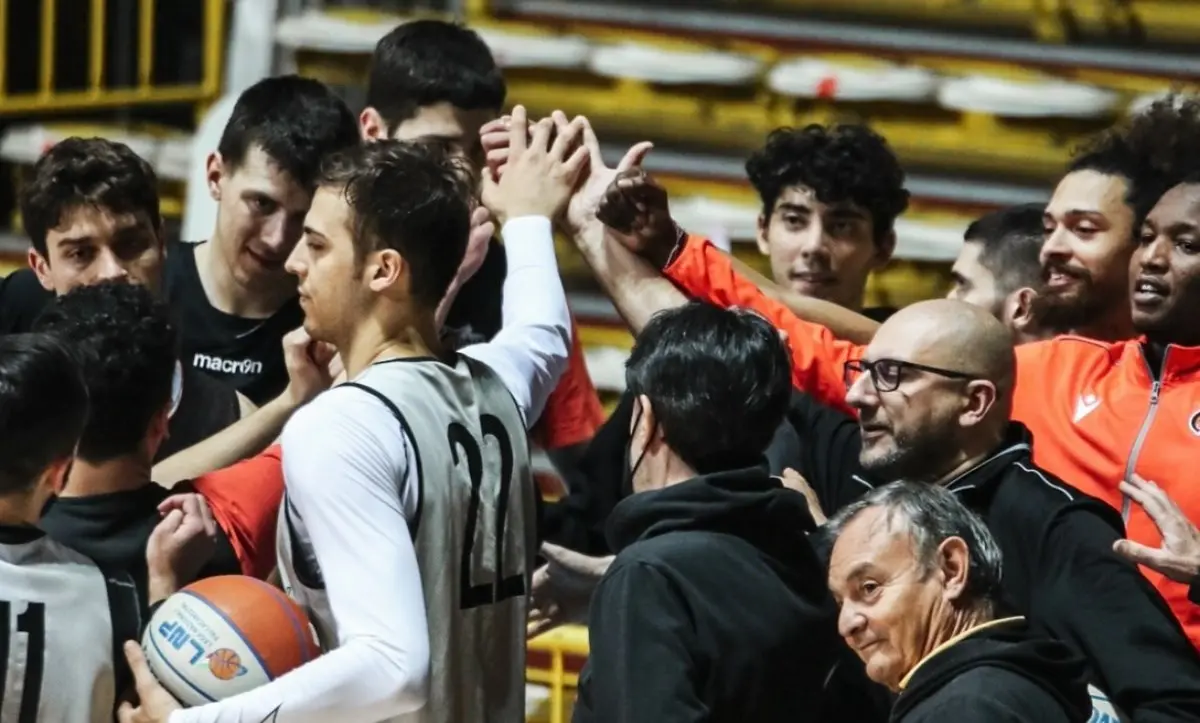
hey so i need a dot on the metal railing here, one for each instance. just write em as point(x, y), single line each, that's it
point(97, 93)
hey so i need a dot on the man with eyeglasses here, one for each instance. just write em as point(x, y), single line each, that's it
point(933, 393)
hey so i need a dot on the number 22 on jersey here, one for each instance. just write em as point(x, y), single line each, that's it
point(484, 536)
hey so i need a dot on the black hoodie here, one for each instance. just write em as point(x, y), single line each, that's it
point(1000, 672)
point(715, 609)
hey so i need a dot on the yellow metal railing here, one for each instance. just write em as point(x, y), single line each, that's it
point(565, 649)
point(96, 95)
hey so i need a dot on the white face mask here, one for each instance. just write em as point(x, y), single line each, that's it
point(176, 388)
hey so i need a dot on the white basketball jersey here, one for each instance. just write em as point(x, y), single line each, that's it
point(61, 622)
point(474, 531)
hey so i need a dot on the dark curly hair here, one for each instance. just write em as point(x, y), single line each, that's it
point(844, 162)
point(79, 172)
point(1154, 151)
point(127, 346)
point(410, 196)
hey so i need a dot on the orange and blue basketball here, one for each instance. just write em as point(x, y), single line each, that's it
point(225, 635)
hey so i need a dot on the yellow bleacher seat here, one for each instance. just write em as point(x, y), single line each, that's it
point(555, 660)
point(953, 113)
point(1153, 20)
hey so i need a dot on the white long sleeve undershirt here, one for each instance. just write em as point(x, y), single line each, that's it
point(348, 470)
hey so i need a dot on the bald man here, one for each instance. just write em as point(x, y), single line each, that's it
point(933, 393)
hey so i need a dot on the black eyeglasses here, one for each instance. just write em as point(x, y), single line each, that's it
point(887, 373)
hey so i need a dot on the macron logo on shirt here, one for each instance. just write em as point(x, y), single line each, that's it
point(211, 363)
point(1085, 405)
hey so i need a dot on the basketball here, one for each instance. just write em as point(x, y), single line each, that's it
point(225, 635)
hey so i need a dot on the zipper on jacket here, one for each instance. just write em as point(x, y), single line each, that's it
point(1144, 430)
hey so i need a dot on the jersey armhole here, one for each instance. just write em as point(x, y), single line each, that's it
point(405, 430)
point(129, 615)
point(479, 363)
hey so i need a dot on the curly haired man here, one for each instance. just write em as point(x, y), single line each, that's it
point(830, 197)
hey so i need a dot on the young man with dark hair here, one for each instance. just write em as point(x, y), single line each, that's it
point(432, 517)
point(434, 79)
point(126, 345)
point(92, 213)
point(235, 300)
point(91, 210)
point(62, 620)
point(998, 268)
point(830, 198)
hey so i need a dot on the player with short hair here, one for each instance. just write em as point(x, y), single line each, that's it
point(235, 300)
point(415, 564)
point(92, 213)
point(998, 268)
point(61, 618)
point(437, 79)
point(91, 210)
point(449, 88)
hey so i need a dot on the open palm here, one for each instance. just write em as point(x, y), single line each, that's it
point(581, 211)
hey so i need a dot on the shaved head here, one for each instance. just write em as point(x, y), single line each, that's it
point(955, 335)
point(937, 392)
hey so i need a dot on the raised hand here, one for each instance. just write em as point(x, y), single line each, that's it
point(541, 172)
point(495, 137)
point(310, 365)
point(581, 212)
point(181, 543)
point(635, 206)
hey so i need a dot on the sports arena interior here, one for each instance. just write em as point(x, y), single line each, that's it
point(983, 101)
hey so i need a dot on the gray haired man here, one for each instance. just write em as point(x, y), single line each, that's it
point(916, 576)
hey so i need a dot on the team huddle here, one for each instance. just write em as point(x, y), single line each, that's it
point(800, 509)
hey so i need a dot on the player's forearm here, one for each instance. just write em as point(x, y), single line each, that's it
point(443, 308)
point(637, 289)
point(536, 322)
point(359, 681)
point(244, 438)
point(844, 323)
